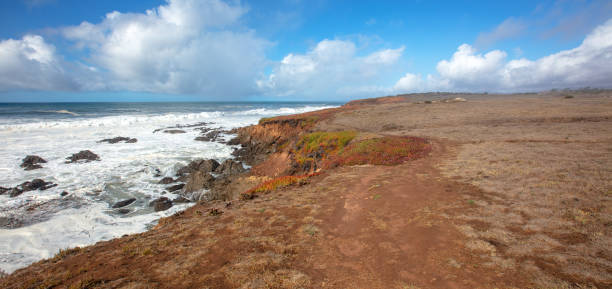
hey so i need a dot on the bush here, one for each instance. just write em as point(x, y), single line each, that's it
point(274, 184)
point(389, 150)
point(321, 144)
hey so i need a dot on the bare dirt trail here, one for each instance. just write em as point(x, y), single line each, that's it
point(385, 227)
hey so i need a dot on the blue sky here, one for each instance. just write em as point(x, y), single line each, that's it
point(68, 50)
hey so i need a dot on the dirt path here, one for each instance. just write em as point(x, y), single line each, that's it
point(386, 227)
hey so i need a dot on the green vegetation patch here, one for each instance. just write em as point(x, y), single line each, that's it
point(388, 150)
point(322, 143)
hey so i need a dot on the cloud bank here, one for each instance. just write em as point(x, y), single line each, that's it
point(330, 68)
point(589, 64)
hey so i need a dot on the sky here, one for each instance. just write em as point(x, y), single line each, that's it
point(297, 50)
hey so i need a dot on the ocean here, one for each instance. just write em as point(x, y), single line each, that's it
point(37, 224)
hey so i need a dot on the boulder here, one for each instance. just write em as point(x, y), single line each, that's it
point(230, 167)
point(161, 204)
point(198, 180)
point(85, 155)
point(174, 131)
point(205, 166)
point(64, 193)
point(31, 162)
point(175, 188)
point(166, 180)
point(119, 139)
point(123, 203)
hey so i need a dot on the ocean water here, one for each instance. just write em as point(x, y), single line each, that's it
point(55, 131)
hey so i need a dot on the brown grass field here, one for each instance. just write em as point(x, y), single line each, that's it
point(514, 191)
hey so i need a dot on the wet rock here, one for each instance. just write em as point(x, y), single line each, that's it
point(10, 223)
point(161, 204)
point(123, 203)
point(210, 136)
point(119, 139)
point(198, 180)
point(166, 180)
point(31, 162)
point(175, 188)
point(157, 173)
point(35, 184)
point(64, 193)
point(230, 167)
point(123, 211)
point(205, 166)
point(85, 155)
point(181, 199)
point(174, 131)
point(4, 190)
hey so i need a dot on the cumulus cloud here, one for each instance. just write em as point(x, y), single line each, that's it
point(589, 64)
point(31, 63)
point(331, 68)
point(185, 46)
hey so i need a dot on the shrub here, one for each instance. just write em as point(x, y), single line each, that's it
point(321, 143)
point(274, 184)
point(389, 150)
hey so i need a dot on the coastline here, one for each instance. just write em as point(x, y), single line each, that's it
point(451, 211)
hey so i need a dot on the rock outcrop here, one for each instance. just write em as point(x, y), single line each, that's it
point(206, 166)
point(35, 184)
point(31, 162)
point(85, 156)
point(161, 204)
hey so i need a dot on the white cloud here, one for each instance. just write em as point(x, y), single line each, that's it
point(589, 64)
point(409, 82)
point(332, 68)
point(31, 63)
point(185, 46)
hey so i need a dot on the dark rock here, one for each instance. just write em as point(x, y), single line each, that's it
point(10, 223)
point(119, 139)
point(64, 193)
point(166, 180)
point(210, 136)
point(31, 162)
point(174, 131)
point(35, 184)
point(205, 166)
point(86, 155)
point(161, 204)
point(4, 190)
point(123, 211)
point(234, 141)
point(123, 203)
point(198, 180)
point(181, 199)
point(230, 167)
point(175, 188)
point(157, 173)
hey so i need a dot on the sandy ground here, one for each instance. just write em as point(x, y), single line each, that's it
point(515, 194)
